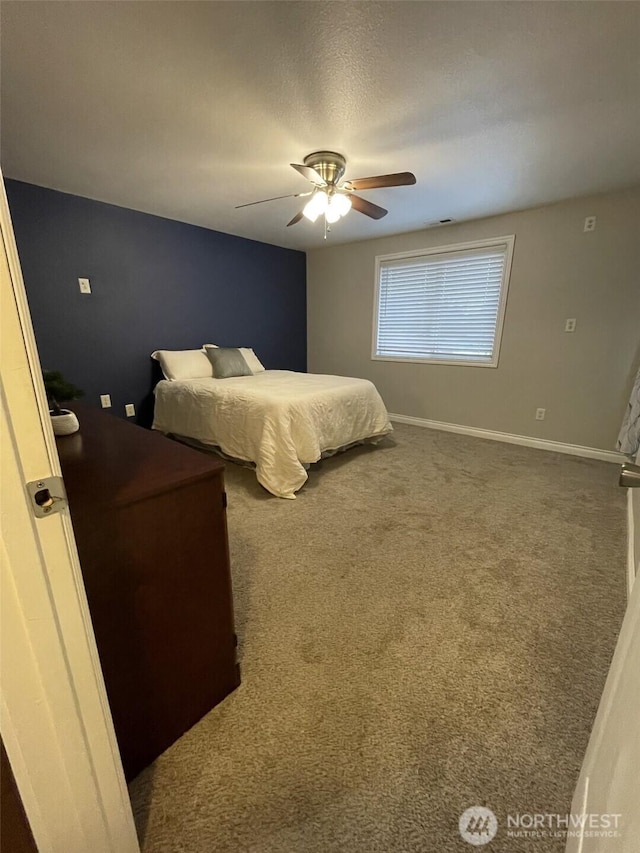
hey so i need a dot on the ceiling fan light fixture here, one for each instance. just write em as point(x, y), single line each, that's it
point(316, 205)
point(341, 203)
point(332, 197)
point(331, 214)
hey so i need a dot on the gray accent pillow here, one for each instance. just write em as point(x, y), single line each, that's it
point(228, 362)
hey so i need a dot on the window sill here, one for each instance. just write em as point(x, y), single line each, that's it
point(450, 362)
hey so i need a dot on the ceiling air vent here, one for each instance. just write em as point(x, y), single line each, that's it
point(437, 222)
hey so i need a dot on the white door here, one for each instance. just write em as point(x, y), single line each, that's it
point(634, 533)
point(55, 719)
point(608, 791)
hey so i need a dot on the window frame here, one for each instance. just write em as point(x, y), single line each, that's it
point(453, 248)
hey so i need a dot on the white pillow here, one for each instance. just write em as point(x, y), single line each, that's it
point(183, 364)
point(253, 362)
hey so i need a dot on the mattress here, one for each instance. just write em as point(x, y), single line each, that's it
point(277, 419)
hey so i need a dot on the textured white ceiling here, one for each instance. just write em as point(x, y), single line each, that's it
point(186, 109)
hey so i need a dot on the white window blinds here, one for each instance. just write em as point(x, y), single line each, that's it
point(442, 307)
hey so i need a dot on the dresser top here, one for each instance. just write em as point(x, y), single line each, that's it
point(114, 461)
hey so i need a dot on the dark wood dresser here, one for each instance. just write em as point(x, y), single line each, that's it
point(150, 524)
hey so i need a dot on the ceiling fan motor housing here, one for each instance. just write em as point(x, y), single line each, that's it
point(329, 165)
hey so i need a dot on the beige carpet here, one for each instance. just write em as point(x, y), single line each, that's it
point(426, 628)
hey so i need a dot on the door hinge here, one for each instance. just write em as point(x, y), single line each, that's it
point(47, 496)
point(630, 476)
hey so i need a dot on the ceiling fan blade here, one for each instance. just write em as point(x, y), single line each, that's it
point(296, 219)
point(275, 198)
point(310, 174)
point(367, 207)
point(400, 179)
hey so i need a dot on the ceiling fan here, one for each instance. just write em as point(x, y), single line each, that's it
point(331, 198)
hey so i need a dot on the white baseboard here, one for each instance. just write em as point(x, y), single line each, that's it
point(509, 438)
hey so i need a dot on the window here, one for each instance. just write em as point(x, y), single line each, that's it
point(443, 305)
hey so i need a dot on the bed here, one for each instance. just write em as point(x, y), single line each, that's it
point(279, 420)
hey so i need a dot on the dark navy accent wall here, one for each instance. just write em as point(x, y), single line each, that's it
point(156, 284)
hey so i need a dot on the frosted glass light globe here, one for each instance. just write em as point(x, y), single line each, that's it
point(316, 205)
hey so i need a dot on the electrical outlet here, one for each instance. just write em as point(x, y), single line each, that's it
point(105, 401)
point(540, 413)
point(570, 325)
point(129, 410)
point(84, 285)
point(590, 223)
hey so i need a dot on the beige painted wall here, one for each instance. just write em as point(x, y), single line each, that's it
point(582, 379)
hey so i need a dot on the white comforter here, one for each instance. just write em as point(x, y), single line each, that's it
point(278, 419)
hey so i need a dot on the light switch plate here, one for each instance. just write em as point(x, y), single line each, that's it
point(105, 401)
point(129, 410)
point(84, 285)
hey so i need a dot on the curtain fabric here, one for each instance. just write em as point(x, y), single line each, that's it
point(629, 438)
